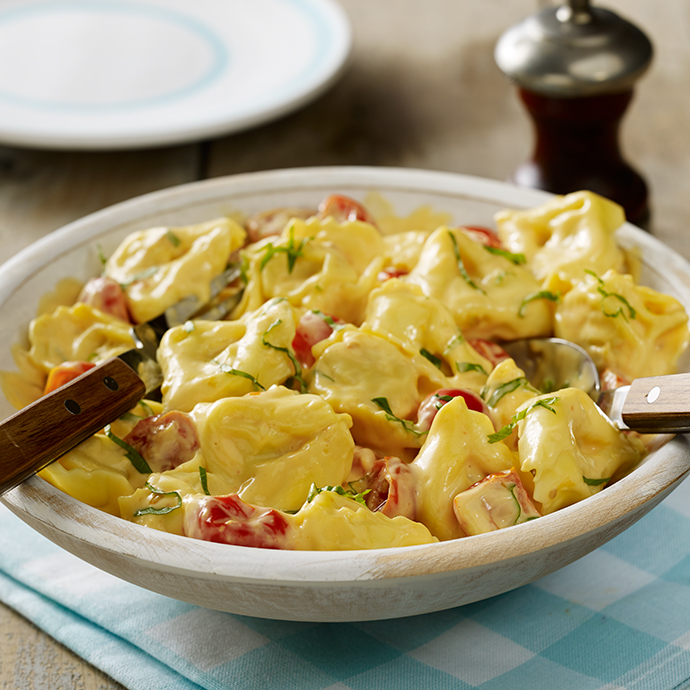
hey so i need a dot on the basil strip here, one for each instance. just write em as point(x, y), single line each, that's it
point(349, 493)
point(204, 480)
point(406, 423)
point(464, 367)
point(504, 389)
point(605, 293)
point(101, 255)
point(517, 503)
point(507, 430)
point(595, 482)
point(517, 259)
point(160, 511)
point(458, 339)
point(142, 275)
point(292, 251)
point(236, 372)
point(542, 294)
point(436, 361)
point(147, 408)
point(139, 463)
point(461, 264)
point(173, 238)
point(291, 356)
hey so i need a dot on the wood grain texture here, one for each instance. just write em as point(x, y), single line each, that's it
point(658, 404)
point(31, 659)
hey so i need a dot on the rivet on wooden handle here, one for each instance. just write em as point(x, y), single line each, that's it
point(658, 404)
point(43, 431)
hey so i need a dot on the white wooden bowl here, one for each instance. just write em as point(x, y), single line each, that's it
point(333, 585)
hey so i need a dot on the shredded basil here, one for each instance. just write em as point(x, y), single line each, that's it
point(511, 488)
point(464, 367)
point(204, 480)
point(291, 356)
point(244, 267)
point(458, 339)
point(329, 320)
point(147, 408)
point(142, 275)
point(407, 425)
point(350, 493)
point(436, 361)
point(160, 511)
point(542, 294)
point(101, 255)
point(292, 251)
point(507, 430)
point(173, 238)
point(326, 376)
point(594, 482)
point(517, 259)
point(605, 294)
point(506, 388)
point(236, 372)
point(130, 417)
point(139, 463)
point(461, 264)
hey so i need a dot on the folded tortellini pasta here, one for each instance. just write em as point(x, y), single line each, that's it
point(358, 394)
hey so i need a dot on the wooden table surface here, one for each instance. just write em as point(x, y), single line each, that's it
point(421, 90)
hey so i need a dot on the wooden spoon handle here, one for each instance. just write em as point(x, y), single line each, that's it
point(43, 431)
point(658, 404)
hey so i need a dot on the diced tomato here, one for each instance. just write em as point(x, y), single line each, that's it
point(313, 327)
point(343, 208)
point(229, 520)
point(391, 487)
point(105, 294)
point(482, 235)
point(489, 350)
point(391, 272)
point(64, 373)
point(269, 223)
point(165, 441)
point(434, 402)
point(610, 380)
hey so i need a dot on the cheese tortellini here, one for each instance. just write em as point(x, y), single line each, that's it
point(357, 395)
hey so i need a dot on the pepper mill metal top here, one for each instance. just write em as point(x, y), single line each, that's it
point(574, 50)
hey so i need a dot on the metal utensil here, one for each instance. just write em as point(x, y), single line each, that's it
point(654, 404)
point(52, 425)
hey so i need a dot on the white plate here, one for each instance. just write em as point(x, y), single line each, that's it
point(106, 74)
point(322, 585)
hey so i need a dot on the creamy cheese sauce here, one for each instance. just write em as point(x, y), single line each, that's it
point(356, 396)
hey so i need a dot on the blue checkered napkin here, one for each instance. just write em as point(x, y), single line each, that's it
point(618, 618)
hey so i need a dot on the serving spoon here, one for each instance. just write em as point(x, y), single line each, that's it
point(650, 405)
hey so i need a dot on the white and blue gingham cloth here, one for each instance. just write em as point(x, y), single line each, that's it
point(618, 618)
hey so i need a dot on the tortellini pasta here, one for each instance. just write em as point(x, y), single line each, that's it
point(356, 394)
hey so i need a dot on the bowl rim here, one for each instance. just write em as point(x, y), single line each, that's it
point(39, 503)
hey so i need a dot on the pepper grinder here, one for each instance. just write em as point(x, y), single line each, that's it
point(575, 66)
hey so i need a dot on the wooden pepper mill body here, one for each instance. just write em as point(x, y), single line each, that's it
point(575, 67)
point(577, 147)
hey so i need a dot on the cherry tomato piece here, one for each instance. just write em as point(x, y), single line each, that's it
point(342, 208)
point(434, 402)
point(106, 295)
point(482, 235)
point(489, 350)
point(391, 272)
point(312, 328)
point(64, 373)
